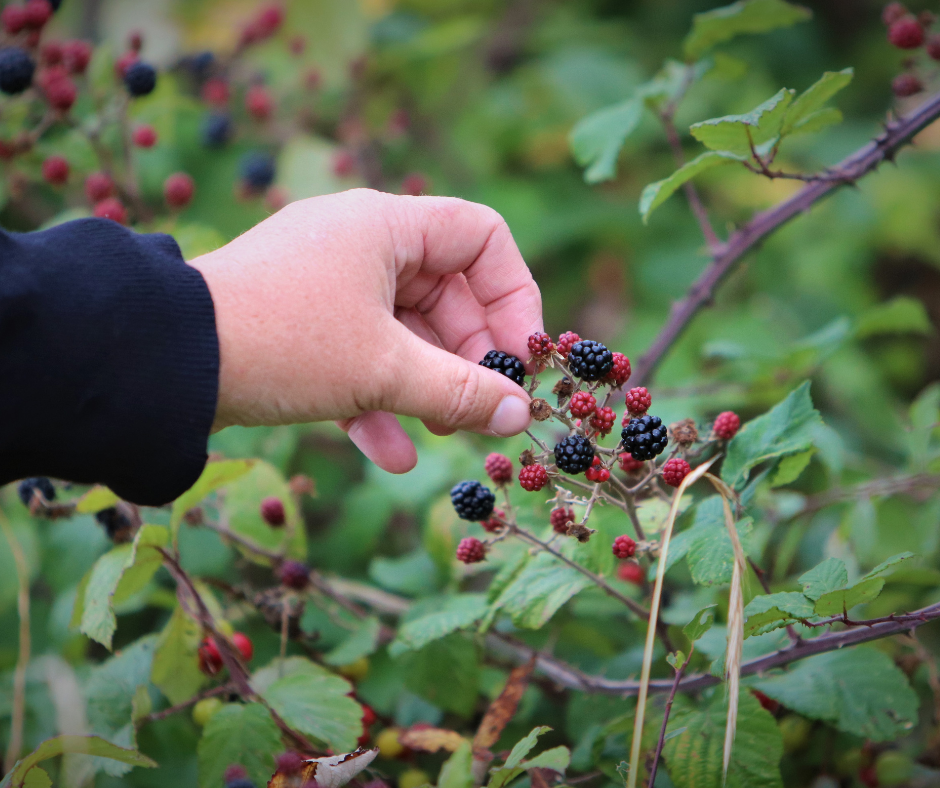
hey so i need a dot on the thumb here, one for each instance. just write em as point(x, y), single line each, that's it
point(448, 390)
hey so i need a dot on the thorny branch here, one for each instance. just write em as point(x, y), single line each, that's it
point(662, 731)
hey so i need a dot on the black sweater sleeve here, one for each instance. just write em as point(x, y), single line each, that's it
point(109, 360)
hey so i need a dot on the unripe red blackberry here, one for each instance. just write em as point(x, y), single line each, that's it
point(471, 550)
point(597, 473)
point(293, 574)
point(631, 572)
point(289, 763)
point(210, 658)
point(638, 401)
point(55, 170)
point(933, 47)
point(583, 404)
point(624, 547)
point(215, 91)
point(243, 643)
point(37, 13)
point(496, 522)
point(620, 372)
point(76, 55)
point(178, 190)
point(560, 518)
point(272, 511)
point(904, 85)
point(344, 164)
point(135, 41)
point(498, 467)
point(13, 18)
point(415, 184)
point(675, 470)
point(51, 53)
point(61, 93)
point(602, 420)
point(259, 102)
point(98, 186)
point(111, 208)
point(727, 425)
point(533, 477)
point(144, 136)
point(565, 342)
point(892, 12)
point(541, 345)
point(906, 33)
point(234, 772)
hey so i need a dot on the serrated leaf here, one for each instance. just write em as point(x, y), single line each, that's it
point(790, 468)
point(215, 475)
point(772, 611)
point(694, 757)
point(79, 745)
point(96, 499)
point(456, 771)
point(901, 315)
point(700, 624)
point(655, 194)
point(361, 643)
point(37, 778)
point(734, 134)
point(830, 575)
point(787, 428)
point(539, 590)
point(238, 734)
point(830, 116)
point(749, 16)
point(524, 746)
point(556, 759)
point(706, 545)
point(835, 603)
point(889, 565)
point(175, 662)
point(597, 139)
point(458, 612)
point(811, 100)
point(859, 690)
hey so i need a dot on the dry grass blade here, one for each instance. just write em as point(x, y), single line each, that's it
point(688, 481)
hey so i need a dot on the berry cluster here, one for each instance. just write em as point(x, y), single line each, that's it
point(909, 32)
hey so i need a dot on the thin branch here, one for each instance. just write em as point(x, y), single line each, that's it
point(662, 731)
point(15, 745)
point(222, 689)
point(897, 134)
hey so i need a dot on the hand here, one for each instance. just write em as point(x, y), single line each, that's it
point(361, 305)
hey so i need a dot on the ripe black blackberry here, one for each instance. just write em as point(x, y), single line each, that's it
point(140, 78)
point(574, 454)
point(216, 130)
point(472, 500)
point(27, 487)
point(117, 523)
point(16, 70)
point(257, 171)
point(645, 437)
point(590, 360)
point(507, 365)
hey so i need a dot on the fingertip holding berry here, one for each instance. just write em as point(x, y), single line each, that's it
point(533, 477)
point(471, 550)
point(597, 473)
point(498, 467)
point(472, 501)
point(55, 170)
point(574, 454)
point(293, 574)
point(631, 572)
point(140, 78)
point(906, 33)
point(645, 437)
point(638, 401)
point(178, 190)
point(590, 360)
point(624, 547)
point(726, 425)
point(561, 518)
point(273, 511)
point(582, 404)
point(675, 470)
point(504, 364)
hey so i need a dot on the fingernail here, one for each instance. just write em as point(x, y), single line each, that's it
point(511, 417)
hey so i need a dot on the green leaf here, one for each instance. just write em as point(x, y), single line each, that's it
point(811, 101)
point(734, 134)
point(175, 661)
point(889, 565)
point(361, 643)
point(859, 690)
point(458, 612)
point(524, 746)
point(900, 315)
point(748, 16)
point(456, 771)
point(445, 672)
point(98, 620)
point(828, 576)
point(316, 702)
point(830, 116)
point(556, 759)
point(700, 624)
point(37, 778)
point(238, 734)
point(96, 499)
point(79, 745)
point(197, 239)
point(694, 757)
point(790, 468)
point(655, 194)
point(787, 428)
point(706, 545)
point(215, 475)
point(834, 603)
point(772, 611)
point(597, 139)
point(539, 590)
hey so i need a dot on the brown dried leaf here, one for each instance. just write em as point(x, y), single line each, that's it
point(332, 771)
point(431, 739)
point(503, 709)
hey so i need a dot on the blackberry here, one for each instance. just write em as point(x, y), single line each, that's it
point(645, 437)
point(498, 467)
point(471, 550)
point(507, 365)
point(16, 70)
point(624, 547)
point(541, 345)
point(631, 572)
point(273, 512)
point(560, 518)
point(257, 170)
point(27, 487)
point(495, 523)
point(675, 470)
point(533, 477)
point(727, 425)
point(906, 33)
point(619, 372)
point(628, 464)
point(565, 342)
point(590, 360)
point(216, 130)
point(243, 643)
point(140, 78)
point(472, 500)
point(574, 454)
point(583, 404)
point(904, 85)
point(638, 401)
point(603, 420)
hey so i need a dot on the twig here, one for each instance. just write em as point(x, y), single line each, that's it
point(897, 133)
point(662, 731)
point(22, 660)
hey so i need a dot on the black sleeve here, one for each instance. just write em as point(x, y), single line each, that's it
point(109, 360)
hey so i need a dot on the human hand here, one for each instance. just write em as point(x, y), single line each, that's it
point(360, 305)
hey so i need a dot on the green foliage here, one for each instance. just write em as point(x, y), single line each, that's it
point(747, 16)
point(241, 734)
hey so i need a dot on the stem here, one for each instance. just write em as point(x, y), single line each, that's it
point(15, 744)
point(897, 134)
point(662, 731)
point(222, 689)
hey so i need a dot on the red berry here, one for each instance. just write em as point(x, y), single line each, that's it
point(234, 772)
point(293, 574)
point(269, 20)
point(123, 63)
point(368, 715)
point(533, 477)
point(272, 511)
point(541, 345)
point(602, 420)
point(933, 46)
point(51, 53)
point(620, 373)
point(675, 470)
point(904, 85)
point(560, 518)
point(597, 473)
point(344, 164)
point(767, 702)
point(498, 467)
point(631, 572)
point(289, 763)
point(243, 643)
point(583, 404)
point(76, 56)
point(565, 342)
point(145, 136)
point(868, 776)
point(135, 41)
point(624, 547)
point(215, 92)
point(496, 521)
point(638, 401)
point(726, 425)
point(892, 13)
point(111, 208)
point(471, 550)
point(55, 170)
point(13, 18)
point(312, 79)
point(259, 102)
point(210, 659)
point(906, 33)
point(8, 150)
point(399, 122)
point(297, 45)
point(415, 184)
point(37, 13)
point(178, 190)
point(628, 464)
point(61, 93)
